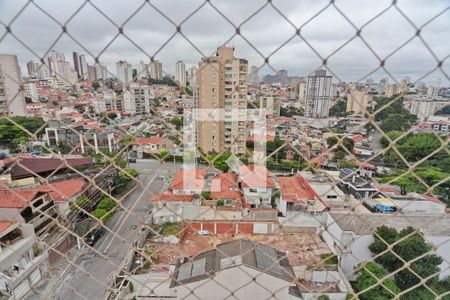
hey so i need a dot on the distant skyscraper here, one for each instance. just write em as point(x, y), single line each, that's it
point(156, 70)
point(83, 67)
point(142, 70)
point(357, 102)
point(124, 71)
point(318, 95)
point(100, 72)
point(136, 99)
point(31, 68)
point(12, 99)
point(254, 76)
point(77, 64)
point(283, 76)
point(222, 84)
point(60, 68)
point(192, 76)
point(180, 73)
point(91, 74)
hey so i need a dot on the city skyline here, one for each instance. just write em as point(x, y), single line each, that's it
point(295, 56)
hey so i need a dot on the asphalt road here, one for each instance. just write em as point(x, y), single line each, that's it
point(112, 247)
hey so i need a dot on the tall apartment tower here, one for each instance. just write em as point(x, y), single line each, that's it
point(77, 64)
point(31, 68)
point(156, 70)
point(124, 71)
point(318, 95)
point(12, 98)
point(83, 67)
point(221, 85)
point(357, 102)
point(136, 99)
point(60, 68)
point(180, 73)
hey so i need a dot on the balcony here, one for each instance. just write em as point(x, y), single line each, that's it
point(13, 279)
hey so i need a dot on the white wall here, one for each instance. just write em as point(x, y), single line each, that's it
point(443, 250)
point(240, 281)
point(420, 207)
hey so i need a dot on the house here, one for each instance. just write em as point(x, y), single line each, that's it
point(188, 181)
point(411, 203)
point(296, 194)
point(22, 259)
point(214, 273)
point(328, 190)
point(31, 206)
point(257, 185)
point(64, 192)
point(225, 187)
point(154, 144)
point(352, 183)
point(169, 207)
point(349, 236)
point(29, 166)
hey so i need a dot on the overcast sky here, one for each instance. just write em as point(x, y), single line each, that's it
point(266, 31)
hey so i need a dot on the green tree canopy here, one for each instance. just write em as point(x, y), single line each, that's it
point(368, 277)
point(409, 245)
point(339, 108)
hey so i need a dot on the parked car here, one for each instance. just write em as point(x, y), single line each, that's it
point(132, 160)
point(93, 237)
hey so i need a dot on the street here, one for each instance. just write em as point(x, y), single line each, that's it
point(96, 269)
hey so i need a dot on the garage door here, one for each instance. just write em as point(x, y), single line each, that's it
point(21, 289)
point(35, 276)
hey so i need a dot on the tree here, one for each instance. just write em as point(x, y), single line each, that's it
point(393, 135)
point(290, 111)
point(395, 122)
point(443, 111)
point(12, 134)
point(126, 176)
point(368, 277)
point(339, 108)
point(188, 91)
point(219, 161)
point(409, 246)
point(206, 195)
point(341, 150)
point(95, 85)
point(418, 146)
point(177, 122)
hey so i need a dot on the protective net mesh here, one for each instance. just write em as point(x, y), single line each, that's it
point(118, 205)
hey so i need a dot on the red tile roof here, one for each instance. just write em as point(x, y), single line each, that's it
point(255, 176)
point(296, 189)
point(171, 197)
point(15, 198)
point(29, 166)
point(64, 190)
point(154, 140)
point(4, 225)
point(189, 179)
point(225, 186)
point(358, 138)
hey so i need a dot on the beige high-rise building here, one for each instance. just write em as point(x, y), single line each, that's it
point(394, 89)
point(156, 70)
point(222, 87)
point(12, 98)
point(357, 102)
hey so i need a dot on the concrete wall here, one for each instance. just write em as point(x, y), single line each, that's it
point(420, 207)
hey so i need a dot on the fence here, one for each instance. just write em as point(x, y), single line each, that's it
point(365, 182)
